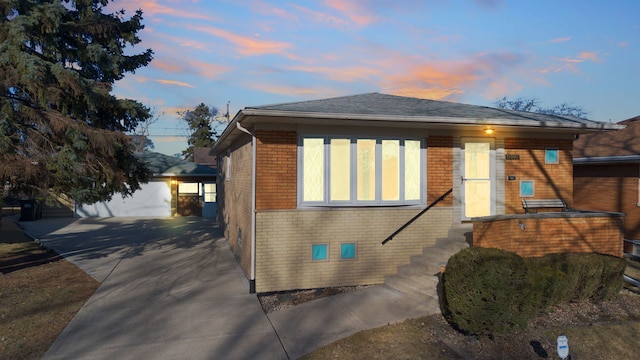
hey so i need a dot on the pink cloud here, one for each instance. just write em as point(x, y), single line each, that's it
point(267, 9)
point(280, 89)
point(450, 79)
point(341, 74)
point(152, 8)
point(571, 63)
point(589, 55)
point(322, 17)
point(174, 83)
point(357, 12)
point(246, 45)
point(559, 40)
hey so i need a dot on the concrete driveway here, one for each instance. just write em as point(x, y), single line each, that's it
point(171, 289)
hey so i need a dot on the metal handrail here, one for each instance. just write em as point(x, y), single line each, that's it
point(390, 237)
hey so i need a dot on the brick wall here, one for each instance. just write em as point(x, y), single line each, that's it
point(283, 245)
point(609, 188)
point(552, 181)
point(439, 168)
point(234, 201)
point(541, 234)
point(276, 180)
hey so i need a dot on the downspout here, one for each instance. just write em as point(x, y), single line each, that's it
point(252, 276)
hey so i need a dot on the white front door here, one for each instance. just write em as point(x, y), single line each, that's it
point(477, 171)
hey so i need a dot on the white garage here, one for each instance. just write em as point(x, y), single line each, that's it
point(178, 188)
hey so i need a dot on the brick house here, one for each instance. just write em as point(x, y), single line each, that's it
point(607, 173)
point(307, 191)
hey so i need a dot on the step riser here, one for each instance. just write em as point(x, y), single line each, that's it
point(419, 279)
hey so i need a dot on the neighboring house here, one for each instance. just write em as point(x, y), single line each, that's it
point(309, 190)
point(203, 156)
point(177, 188)
point(607, 173)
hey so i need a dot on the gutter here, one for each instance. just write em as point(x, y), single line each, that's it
point(252, 276)
point(560, 123)
point(607, 159)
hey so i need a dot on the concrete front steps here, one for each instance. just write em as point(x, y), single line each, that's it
point(419, 279)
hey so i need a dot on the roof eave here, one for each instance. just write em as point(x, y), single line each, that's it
point(290, 117)
point(606, 160)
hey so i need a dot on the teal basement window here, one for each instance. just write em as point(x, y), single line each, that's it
point(348, 251)
point(320, 252)
point(551, 156)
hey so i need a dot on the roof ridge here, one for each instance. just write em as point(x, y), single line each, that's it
point(312, 100)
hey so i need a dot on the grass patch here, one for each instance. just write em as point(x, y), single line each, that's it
point(39, 294)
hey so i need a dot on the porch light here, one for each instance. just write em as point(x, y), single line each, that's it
point(489, 130)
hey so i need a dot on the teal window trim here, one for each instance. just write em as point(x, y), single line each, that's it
point(320, 252)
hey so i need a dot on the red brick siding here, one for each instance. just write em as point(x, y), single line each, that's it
point(609, 188)
point(439, 168)
point(530, 237)
point(552, 181)
point(276, 178)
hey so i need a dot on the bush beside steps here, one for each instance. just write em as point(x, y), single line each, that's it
point(492, 291)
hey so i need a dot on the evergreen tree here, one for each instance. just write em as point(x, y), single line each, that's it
point(199, 122)
point(61, 129)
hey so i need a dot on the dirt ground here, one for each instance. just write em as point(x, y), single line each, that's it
point(604, 330)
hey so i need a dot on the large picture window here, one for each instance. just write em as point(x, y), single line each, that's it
point(343, 170)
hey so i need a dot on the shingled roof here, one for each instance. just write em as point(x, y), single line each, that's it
point(615, 144)
point(165, 165)
point(374, 109)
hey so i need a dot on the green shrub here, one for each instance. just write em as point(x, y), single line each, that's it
point(487, 291)
point(491, 291)
point(612, 277)
point(548, 284)
point(588, 276)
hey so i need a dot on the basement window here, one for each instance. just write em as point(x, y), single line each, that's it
point(320, 252)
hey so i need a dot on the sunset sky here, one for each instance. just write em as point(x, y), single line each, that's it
point(258, 52)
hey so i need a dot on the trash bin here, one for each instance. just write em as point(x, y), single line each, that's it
point(28, 210)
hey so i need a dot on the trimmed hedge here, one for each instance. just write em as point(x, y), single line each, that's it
point(491, 291)
point(487, 291)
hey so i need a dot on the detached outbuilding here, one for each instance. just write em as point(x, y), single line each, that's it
point(177, 188)
point(307, 191)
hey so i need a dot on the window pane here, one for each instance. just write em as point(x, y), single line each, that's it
point(319, 252)
point(390, 170)
point(366, 169)
point(340, 169)
point(188, 188)
point(313, 169)
point(348, 251)
point(412, 170)
point(209, 192)
point(476, 160)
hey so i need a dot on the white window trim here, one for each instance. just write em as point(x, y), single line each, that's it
point(353, 154)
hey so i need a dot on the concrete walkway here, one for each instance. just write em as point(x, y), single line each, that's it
point(172, 289)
